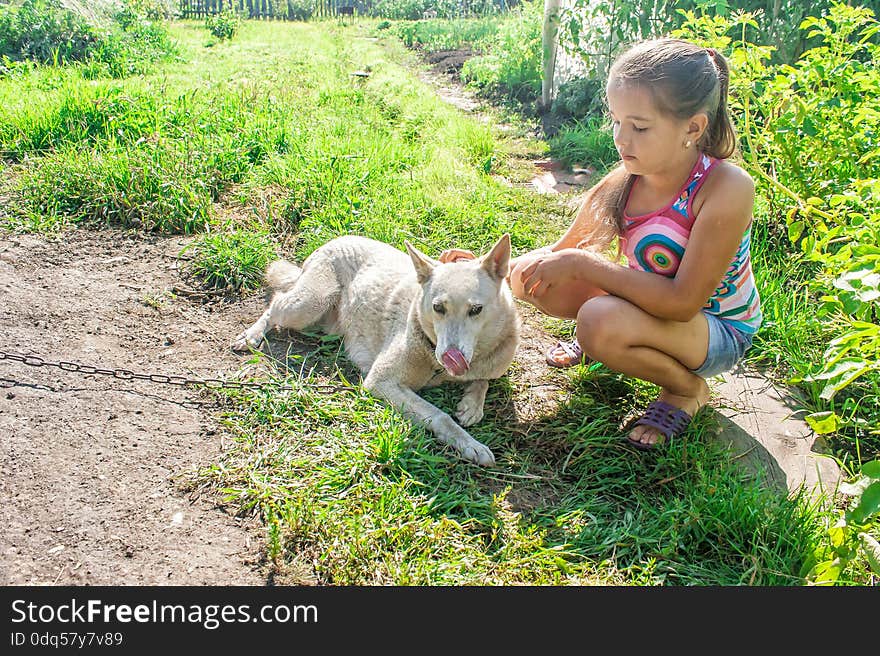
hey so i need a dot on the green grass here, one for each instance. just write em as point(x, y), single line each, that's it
point(789, 336)
point(440, 34)
point(566, 504)
point(586, 142)
point(267, 145)
point(157, 151)
point(232, 260)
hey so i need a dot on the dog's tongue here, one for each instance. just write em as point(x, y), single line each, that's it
point(454, 361)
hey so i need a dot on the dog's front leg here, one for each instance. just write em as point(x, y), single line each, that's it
point(470, 408)
point(253, 336)
point(433, 418)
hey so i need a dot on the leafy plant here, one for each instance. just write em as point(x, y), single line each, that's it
point(46, 32)
point(596, 31)
point(579, 98)
point(400, 9)
point(223, 24)
point(850, 538)
point(123, 42)
point(513, 61)
point(473, 34)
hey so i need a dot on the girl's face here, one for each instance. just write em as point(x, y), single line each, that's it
point(649, 142)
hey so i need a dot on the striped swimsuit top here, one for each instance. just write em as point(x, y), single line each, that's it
point(655, 242)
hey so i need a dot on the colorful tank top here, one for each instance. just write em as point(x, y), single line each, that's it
point(656, 242)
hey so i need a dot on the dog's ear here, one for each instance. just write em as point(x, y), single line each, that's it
point(424, 265)
point(497, 261)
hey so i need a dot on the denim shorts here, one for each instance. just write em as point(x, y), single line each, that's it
point(727, 346)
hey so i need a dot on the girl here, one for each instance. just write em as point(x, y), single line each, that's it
point(685, 307)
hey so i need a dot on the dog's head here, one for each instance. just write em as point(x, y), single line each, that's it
point(464, 304)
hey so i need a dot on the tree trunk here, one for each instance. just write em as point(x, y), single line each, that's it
point(548, 41)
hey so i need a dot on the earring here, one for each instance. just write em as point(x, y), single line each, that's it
point(687, 144)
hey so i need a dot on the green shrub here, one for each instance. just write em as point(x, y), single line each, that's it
point(130, 50)
point(45, 32)
point(512, 65)
point(224, 24)
point(400, 9)
point(597, 31)
point(579, 98)
point(456, 8)
point(470, 33)
point(156, 9)
point(125, 42)
point(443, 9)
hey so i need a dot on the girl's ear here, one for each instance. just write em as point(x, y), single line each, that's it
point(697, 126)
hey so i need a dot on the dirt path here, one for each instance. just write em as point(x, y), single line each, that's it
point(94, 468)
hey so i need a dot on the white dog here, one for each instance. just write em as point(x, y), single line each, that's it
point(406, 322)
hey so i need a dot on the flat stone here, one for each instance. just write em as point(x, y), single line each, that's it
point(759, 421)
point(580, 178)
point(549, 164)
point(545, 184)
point(561, 182)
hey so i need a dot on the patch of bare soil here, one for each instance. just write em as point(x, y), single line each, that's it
point(94, 468)
point(97, 471)
point(449, 62)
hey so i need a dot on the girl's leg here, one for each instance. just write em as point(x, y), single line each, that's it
point(629, 340)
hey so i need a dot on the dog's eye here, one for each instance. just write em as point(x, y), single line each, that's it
point(475, 310)
point(439, 308)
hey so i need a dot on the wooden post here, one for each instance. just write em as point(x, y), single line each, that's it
point(548, 41)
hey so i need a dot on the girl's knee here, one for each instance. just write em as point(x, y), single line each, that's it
point(599, 325)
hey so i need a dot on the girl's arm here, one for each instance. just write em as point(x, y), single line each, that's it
point(723, 208)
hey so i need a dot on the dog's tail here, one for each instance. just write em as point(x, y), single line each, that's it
point(281, 275)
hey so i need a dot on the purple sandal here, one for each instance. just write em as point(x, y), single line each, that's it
point(572, 351)
point(666, 418)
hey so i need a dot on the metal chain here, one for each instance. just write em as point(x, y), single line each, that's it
point(165, 379)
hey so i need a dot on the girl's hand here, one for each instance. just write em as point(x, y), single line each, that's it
point(545, 271)
point(454, 255)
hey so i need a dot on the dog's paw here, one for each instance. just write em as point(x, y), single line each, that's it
point(477, 453)
point(245, 342)
point(469, 410)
